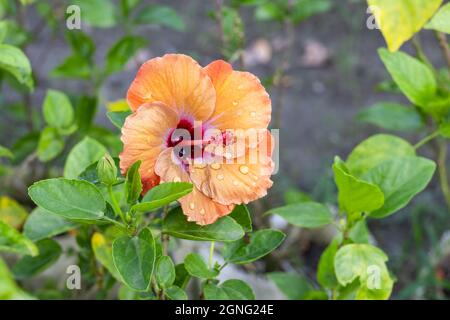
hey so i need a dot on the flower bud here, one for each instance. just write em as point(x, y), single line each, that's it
point(107, 170)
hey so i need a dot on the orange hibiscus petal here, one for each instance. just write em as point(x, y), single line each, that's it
point(241, 100)
point(196, 206)
point(176, 80)
point(143, 136)
point(240, 180)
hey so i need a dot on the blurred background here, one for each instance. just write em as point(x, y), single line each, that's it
point(319, 62)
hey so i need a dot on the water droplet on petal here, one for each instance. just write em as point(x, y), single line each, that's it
point(220, 177)
point(202, 212)
point(235, 103)
point(235, 183)
point(176, 179)
point(244, 169)
point(192, 206)
point(215, 166)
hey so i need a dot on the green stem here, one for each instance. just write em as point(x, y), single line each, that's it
point(442, 169)
point(164, 237)
point(426, 140)
point(211, 254)
point(420, 53)
point(442, 39)
point(117, 223)
point(115, 205)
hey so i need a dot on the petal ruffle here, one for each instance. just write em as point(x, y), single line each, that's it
point(240, 180)
point(176, 80)
point(196, 206)
point(143, 136)
point(241, 100)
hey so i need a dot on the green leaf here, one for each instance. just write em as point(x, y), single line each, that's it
point(12, 241)
point(85, 110)
point(43, 224)
point(232, 289)
point(26, 145)
point(58, 110)
point(400, 20)
point(118, 118)
point(400, 180)
point(359, 233)
point(81, 43)
point(237, 290)
point(441, 20)
point(175, 293)
point(414, 78)
point(11, 212)
point(305, 215)
point(98, 13)
point(197, 267)
point(225, 229)
point(73, 67)
point(304, 9)
point(122, 51)
point(127, 6)
point(182, 277)
point(292, 196)
point(367, 264)
point(85, 153)
point(3, 30)
point(161, 15)
point(49, 252)
point(70, 199)
point(5, 152)
point(214, 292)
point(293, 286)
point(269, 11)
point(165, 272)
point(375, 150)
point(444, 130)
point(50, 144)
point(14, 61)
point(102, 247)
point(392, 116)
point(325, 270)
point(90, 173)
point(8, 288)
point(163, 195)
point(133, 183)
point(261, 243)
point(241, 215)
point(134, 258)
point(355, 195)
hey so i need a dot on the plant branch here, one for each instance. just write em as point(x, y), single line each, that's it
point(442, 39)
point(426, 140)
point(115, 205)
point(164, 237)
point(442, 169)
point(211, 254)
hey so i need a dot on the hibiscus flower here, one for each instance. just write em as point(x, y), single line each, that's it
point(206, 126)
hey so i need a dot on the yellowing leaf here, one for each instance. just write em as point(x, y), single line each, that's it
point(102, 248)
point(399, 20)
point(117, 106)
point(11, 212)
